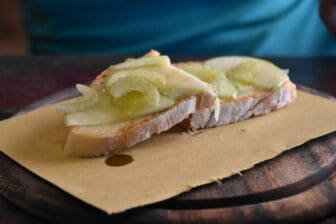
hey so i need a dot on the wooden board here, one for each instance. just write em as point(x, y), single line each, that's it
point(298, 185)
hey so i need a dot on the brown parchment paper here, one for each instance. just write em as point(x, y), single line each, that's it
point(165, 165)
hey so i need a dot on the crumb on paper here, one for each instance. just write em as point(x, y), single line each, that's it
point(192, 133)
point(218, 181)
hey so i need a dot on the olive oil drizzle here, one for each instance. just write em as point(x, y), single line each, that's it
point(119, 160)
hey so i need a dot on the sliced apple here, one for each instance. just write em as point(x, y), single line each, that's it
point(224, 87)
point(89, 98)
point(225, 63)
point(137, 87)
point(245, 89)
point(151, 75)
point(250, 71)
point(102, 115)
point(202, 71)
point(142, 62)
point(257, 72)
point(165, 103)
point(92, 116)
point(129, 84)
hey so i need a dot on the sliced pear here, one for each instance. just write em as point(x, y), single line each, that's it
point(133, 100)
point(180, 83)
point(154, 77)
point(260, 73)
point(142, 62)
point(202, 71)
point(88, 99)
point(91, 116)
point(104, 114)
point(225, 88)
point(139, 87)
point(169, 80)
point(165, 103)
point(248, 70)
point(128, 84)
point(225, 63)
point(245, 89)
point(133, 96)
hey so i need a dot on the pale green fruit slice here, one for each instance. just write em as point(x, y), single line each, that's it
point(128, 84)
point(142, 62)
point(91, 116)
point(245, 89)
point(88, 99)
point(202, 71)
point(134, 104)
point(165, 103)
point(170, 81)
point(225, 88)
point(131, 101)
point(154, 77)
point(225, 63)
point(181, 83)
point(137, 95)
point(102, 115)
point(260, 73)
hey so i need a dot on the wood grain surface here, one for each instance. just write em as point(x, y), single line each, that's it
point(297, 186)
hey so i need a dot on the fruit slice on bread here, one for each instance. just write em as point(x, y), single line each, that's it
point(250, 87)
point(131, 101)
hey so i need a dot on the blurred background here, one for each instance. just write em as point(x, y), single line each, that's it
point(12, 37)
point(199, 27)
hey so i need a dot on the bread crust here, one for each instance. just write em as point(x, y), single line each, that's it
point(94, 141)
point(245, 107)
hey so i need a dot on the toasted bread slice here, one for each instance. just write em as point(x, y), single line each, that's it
point(244, 107)
point(94, 141)
point(193, 112)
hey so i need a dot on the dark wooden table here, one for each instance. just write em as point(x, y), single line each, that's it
point(24, 80)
